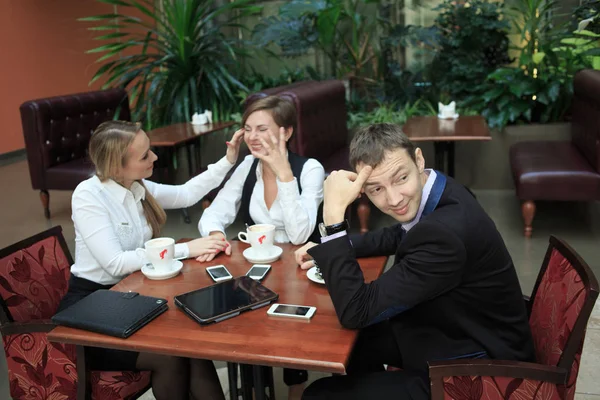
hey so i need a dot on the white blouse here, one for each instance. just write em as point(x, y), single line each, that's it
point(293, 214)
point(110, 223)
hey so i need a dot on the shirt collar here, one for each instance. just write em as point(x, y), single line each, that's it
point(120, 192)
point(424, 197)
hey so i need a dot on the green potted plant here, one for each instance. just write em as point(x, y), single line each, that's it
point(540, 87)
point(176, 59)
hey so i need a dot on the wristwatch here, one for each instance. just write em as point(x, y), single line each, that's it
point(328, 230)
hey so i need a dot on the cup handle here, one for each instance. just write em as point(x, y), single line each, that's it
point(244, 238)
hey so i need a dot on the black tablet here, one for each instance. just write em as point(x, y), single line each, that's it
point(225, 299)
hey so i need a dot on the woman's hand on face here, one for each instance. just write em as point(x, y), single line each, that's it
point(274, 154)
point(217, 237)
point(233, 146)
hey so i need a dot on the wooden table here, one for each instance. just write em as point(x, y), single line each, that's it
point(320, 344)
point(444, 133)
point(179, 134)
point(173, 137)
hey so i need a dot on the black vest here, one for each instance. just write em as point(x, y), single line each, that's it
point(297, 163)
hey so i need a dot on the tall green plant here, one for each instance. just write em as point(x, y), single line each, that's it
point(341, 29)
point(175, 60)
point(540, 87)
point(467, 41)
point(532, 20)
point(473, 42)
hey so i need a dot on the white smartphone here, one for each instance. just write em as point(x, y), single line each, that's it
point(219, 273)
point(292, 311)
point(258, 271)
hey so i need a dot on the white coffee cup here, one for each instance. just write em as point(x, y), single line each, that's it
point(259, 236)
point(159, 252)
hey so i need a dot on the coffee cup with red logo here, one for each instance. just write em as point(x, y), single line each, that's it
point(159, 252)
point(260, 237)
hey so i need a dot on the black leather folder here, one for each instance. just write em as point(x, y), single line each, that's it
point(112, 313)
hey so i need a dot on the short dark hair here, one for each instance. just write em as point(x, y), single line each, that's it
point(371, 142)
point(282, 111)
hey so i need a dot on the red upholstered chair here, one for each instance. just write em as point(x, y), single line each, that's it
point(34, 276)
point(559, 309)
point(57, 132)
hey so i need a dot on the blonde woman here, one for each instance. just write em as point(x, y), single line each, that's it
point(114, 213)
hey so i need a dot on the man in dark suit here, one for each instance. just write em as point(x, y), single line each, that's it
point(452, 293)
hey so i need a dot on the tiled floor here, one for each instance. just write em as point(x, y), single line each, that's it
point(578, 224)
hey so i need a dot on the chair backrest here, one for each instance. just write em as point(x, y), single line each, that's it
point(561, 304)
point(272, 91)
point(585, 127)
point(322, 128)
point(58, 129)
point(34, 276)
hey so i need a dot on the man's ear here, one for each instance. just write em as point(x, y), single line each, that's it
point(420, 160)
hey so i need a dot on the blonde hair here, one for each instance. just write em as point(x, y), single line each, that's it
point(108, 151)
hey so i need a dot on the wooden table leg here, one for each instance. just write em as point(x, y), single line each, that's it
point(440, 156)
point(259, 382)
point(247, 378)
point(232, 369)
point(444, 157)
point(83, 377)
point(450, 154)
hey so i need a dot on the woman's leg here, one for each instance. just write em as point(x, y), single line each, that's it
point(170, 375)
point(204, 381)
point(295, 380)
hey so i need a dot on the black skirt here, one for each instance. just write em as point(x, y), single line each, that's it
point(97, 358)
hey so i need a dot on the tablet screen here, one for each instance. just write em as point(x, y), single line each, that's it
point(234, 294)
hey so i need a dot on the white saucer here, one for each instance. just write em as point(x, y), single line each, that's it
point(453, 117)
point(151, 273)
point(251, 256)
point(312, 275)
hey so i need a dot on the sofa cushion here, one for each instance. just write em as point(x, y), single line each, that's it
point(553, 170)
point(68, 175)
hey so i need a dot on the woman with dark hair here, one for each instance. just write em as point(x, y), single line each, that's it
point(271, 186)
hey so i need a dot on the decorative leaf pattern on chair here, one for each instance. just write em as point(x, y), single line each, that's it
point(498, 388)
point(118, 385)
point(38, 370)
point(34, 280)
point(555, 309)
point(32, 283)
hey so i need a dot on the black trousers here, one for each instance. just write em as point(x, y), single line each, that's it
point(367, 378)
point(97, 358)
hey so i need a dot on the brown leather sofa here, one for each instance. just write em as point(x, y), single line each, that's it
point(57, 131)
point(563, 170)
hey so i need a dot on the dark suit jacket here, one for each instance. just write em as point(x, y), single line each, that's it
point(452, 293)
